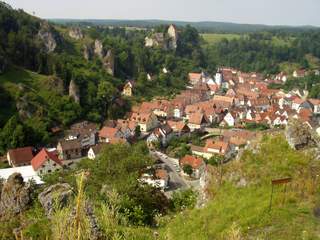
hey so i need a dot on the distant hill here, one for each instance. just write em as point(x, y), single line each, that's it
point(201, 26)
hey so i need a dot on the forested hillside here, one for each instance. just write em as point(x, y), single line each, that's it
point(40, 60)
point(268, 52)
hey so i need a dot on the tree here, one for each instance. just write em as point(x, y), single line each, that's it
point(137, 131)
point(105, 95)
point(188, 169)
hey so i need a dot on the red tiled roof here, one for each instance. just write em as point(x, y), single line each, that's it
point(21, 155)
point(43, 156)
point(194, 162)
point(194, 76)
point(108, 132)
point(161, 174)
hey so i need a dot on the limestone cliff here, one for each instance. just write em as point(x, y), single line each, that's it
point(48, 37)
point(74, 91)
point(98, 49)
point(76, 33)
point(108, 62)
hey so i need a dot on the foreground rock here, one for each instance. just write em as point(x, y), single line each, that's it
point(299, 135)
point(15, 195)
point(56, 195)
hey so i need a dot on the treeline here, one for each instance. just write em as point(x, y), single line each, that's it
point(261, 52)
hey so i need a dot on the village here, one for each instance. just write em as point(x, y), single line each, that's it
point(224, 113)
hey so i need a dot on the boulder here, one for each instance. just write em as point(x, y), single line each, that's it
point(108, 62)
point(15, 195)
point(47, 35)
point(98, 49)
point(76, 33)
point(56, 195)
point(299, 135)
point(74, 91)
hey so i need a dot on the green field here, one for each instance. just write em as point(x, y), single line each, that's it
point(212, 38)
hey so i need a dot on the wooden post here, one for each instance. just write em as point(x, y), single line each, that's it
point(270, 204)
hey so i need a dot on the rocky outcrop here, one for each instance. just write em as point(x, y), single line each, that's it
point(88, 51)
point(57, 195)
point(74, 91)
point(76, 33)
point(167, 40)
point(299, 135)
point(98, 49)
point(25, 107)
point(108, 62)
point(47, 35)
point(173, 37)
point(15, 195)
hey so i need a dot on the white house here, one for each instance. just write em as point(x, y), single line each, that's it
point(46, 162)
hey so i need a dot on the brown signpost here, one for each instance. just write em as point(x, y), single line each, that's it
point(282, 181)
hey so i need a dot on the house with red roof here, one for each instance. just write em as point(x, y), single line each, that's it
point(146, 121)
point(20, 156)
point(194, 78)
point(108, 134)
point(179, 128)
point(46, 162)
point(198, 121)
point(197, 164)
point(214, 147)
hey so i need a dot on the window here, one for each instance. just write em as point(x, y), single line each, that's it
point(49, 171)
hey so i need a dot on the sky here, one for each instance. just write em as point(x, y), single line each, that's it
point(271, 12)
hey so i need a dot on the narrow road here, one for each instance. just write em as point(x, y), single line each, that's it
point(176, 182)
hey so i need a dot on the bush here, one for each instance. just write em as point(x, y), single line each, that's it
point(183, 200)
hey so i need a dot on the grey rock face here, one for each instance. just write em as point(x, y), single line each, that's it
point(56, 195)
point(76, 33)
point(98, 49)
point(74, 91)
point(88, 51)
point(15, 195)
point(108, 62)
point(47, 36)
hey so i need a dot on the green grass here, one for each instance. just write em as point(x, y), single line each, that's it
point(213, 38)
point(245, 211)
point(12, 82)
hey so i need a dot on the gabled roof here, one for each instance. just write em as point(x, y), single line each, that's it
point(194, 162)
point(44, 156)
point(108, 132)
point(195, 76)
point(20, 156)
point(198, 118)
point(177, 126)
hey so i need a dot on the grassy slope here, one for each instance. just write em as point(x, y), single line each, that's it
point(10, 82)
point(244, 211)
